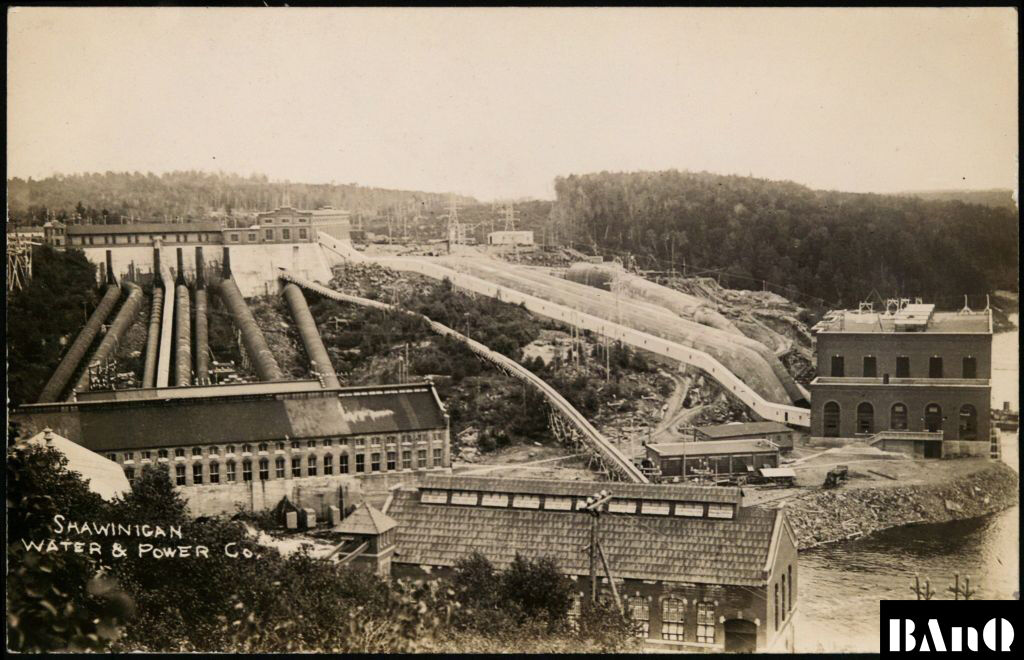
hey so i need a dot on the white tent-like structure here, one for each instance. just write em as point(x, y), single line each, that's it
point(105, 477)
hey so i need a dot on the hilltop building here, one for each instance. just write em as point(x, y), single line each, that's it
point(695, 568)
point(910, 379)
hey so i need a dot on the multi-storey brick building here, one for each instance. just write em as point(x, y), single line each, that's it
point(256, 432)
point(288, 225)
point(919, 377)
point(695, 568)
point(144, 233)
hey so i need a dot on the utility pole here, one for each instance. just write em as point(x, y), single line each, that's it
point(966, 592)
point(922, 594)
point(593, 507)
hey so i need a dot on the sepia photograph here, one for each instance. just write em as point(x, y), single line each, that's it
point(527, 330)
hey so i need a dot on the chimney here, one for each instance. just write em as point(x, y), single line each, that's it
point(227, 263)
point(110, 267)
point(48, 436)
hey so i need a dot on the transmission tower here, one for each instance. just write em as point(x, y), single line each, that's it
point(19, 261)
point(510, 217)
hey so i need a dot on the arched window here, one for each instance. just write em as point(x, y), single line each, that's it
point(789, 571)
point(263, 446)
point(231, 471)
point(214, 473)
point(246, 449)
point(933, 417)
point(898, 417)
point(247, 470)
point(673, 619)
point(783, 597)
point(279, 467)
point(776, 605)
point(968, 422)
point(230, 449)
point(865, 418)
point(311, 466)
point(640, 611)
point(264, 469)
point(830, 419)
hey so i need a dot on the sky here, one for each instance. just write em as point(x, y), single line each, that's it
point(495, 103)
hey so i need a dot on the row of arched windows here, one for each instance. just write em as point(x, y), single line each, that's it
point(898, 419)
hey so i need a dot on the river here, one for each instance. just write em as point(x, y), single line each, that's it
point(840, 585)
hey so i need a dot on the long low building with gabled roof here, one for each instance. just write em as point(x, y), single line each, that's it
point(697, 569)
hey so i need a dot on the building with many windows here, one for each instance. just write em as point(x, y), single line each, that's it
point(256, 432)
point(911, 379)
point(696, 569)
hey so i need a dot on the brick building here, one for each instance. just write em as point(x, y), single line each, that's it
point(694, 567)
point(256, 432)
point(289, 225)
point(919, 377)
point(144, 233)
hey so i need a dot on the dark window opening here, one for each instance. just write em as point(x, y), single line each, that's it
point(935, 367)
point(870, 367)
point(902, 366)
point(970, 367)
point(837, 366)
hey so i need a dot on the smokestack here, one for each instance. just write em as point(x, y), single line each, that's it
point(156, 265)
point(200, 279)
point(110, 267)
point(180, 279)
point(227, 263)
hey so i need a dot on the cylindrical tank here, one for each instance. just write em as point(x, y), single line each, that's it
point(122, 322)
point(153, 337)
point(67, 367)
point(315, 350)
point(255, 344)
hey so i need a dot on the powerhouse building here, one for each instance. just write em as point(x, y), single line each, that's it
point(913, 377)
point(255, 432)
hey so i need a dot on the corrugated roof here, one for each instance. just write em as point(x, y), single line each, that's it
point(711, 447)
point(105, 477)
point(663, 492)
point(182, 422)
point(145, 228)
point(747, 428)
point(699, 550)
point(366, 520)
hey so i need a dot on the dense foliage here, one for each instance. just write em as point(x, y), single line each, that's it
point(191, 194)
point(268, 603)
point(44, 317)
point(831, 245)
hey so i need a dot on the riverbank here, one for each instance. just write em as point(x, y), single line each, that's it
point(827, 516)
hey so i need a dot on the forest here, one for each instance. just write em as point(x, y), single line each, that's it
point(191, 195)
point(833, 246)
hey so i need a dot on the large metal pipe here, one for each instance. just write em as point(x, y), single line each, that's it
point(182, 329)
point(66, 369)
point(153, 338)
point(153, 335)
point(163, 364)
point(252, 337)
point(315, 349)
point(122, 322)
point(202, 330)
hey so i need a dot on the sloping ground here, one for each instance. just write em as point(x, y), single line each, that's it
point(747, 364)
point(823, 516)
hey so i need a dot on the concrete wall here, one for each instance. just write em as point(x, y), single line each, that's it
point(918, 346)
point(915, 397)
point(255, 267)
